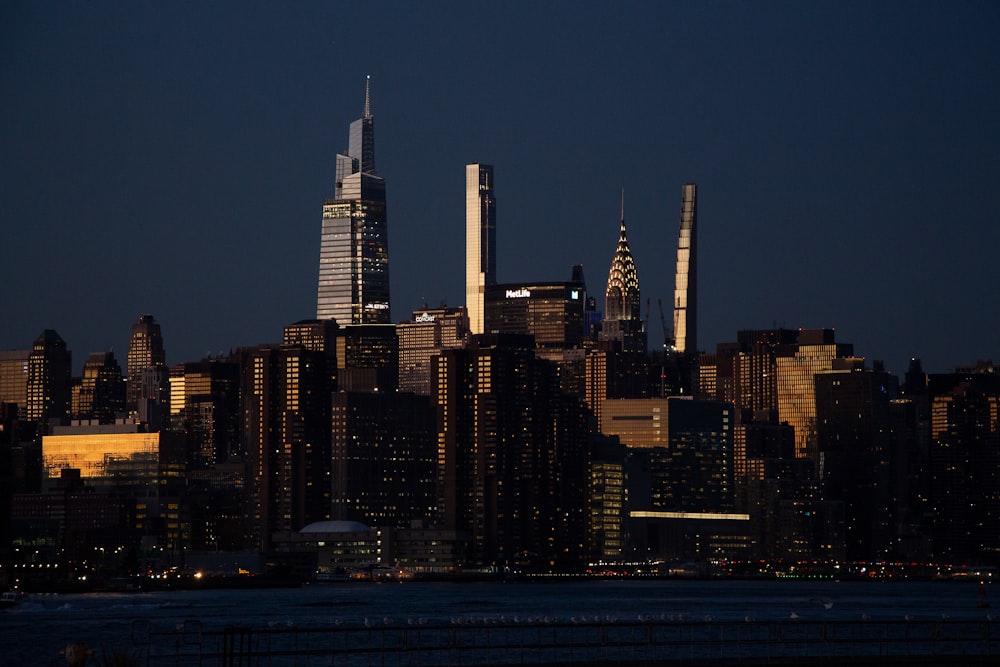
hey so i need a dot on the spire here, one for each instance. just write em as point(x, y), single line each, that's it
point(622, 296)
point(368, 98)
point(623, 209)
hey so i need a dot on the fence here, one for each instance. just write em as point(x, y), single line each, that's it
point(549, 642)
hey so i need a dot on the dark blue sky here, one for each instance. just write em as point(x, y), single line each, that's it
point(173, 157)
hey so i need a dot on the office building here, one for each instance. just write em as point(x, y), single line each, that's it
point(14, 379)
point(428, 333)
point(554, 314)
point(686, 277)
point(622, 319)
point(797, 366)
point(146, 468)
point(480, 241)
point(551, 312)
point(205, 407)
point(606, 498)
point(354, 243)
point(100, 394)
point(49, 368)
point(148, 380)
point(367, 358)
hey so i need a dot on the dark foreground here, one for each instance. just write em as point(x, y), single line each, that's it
point(543, 641)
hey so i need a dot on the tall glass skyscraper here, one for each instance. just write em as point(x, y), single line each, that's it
point(354, 246)
point(685, 282)
point(480, 241)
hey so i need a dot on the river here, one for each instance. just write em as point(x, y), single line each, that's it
point(34, 632)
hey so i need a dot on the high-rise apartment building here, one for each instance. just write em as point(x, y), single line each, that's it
point(286, 412)
point(511, 454)
point(354, 244)
point(480, 241)
point(147, 375)
point(383, 458)
point(686, 279)
point(49, 368)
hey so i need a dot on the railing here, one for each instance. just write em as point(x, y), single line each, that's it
point(549, 642)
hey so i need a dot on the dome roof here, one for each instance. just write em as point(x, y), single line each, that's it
point(335, 527)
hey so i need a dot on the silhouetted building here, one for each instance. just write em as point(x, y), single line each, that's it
point(318, 336)
point(480, 241)
point(606, 498)
point(367, 357)
point(14, 379)
point(49, 368)
point(384, 458)
point(552, 313)
point(856, 455)
point(145, 351)
point(100, 395)
point(205, 406)
point(511, 455)
point(964, 465)
point(286, 437)
point(354, 245)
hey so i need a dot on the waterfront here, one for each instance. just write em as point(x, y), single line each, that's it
point(34, 632)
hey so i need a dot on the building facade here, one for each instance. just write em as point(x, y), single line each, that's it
point(622, 317)
point(49, 369)
point(480, 241)
point(686, 276)
point(428, 333)
point(354, 243)
point(145, 351)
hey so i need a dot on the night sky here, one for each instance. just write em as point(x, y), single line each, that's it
point(172, 158)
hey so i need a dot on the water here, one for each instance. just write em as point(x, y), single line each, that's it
point(34, 632)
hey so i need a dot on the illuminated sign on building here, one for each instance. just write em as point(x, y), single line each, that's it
point(424, 318)
point(377, 306)
point(521, 293)
point(574, 294)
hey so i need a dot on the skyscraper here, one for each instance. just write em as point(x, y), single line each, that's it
point(480, 240)
point(686, 279)
point(354, 245)
point(48, 378)
point(101, 392)
point(622, 321)
point(145, 351)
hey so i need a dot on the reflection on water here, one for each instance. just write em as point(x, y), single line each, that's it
point(34, 632)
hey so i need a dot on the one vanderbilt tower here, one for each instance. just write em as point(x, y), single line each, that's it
point(354, 246)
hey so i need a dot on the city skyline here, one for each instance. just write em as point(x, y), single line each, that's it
point(846, 167)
